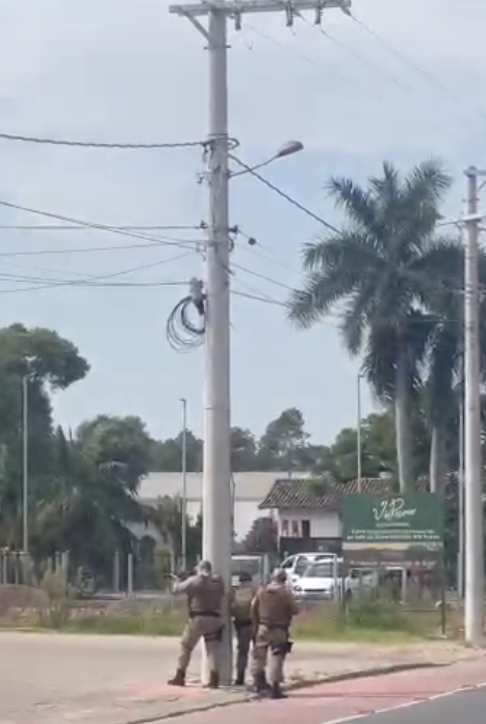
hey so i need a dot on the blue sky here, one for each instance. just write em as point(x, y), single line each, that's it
point(108, 71)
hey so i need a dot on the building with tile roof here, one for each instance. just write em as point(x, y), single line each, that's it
point(307, 511)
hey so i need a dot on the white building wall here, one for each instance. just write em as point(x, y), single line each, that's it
point(322, 524)
point(245, 513)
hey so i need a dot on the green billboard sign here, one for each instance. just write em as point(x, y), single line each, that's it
point(392, 528)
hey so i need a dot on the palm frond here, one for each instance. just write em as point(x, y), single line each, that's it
point(357, 203)
point(438, 270)
point(314, 300)
point(349, 248)
point(427, 183)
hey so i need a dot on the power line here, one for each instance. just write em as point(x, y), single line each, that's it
point(284, 195)
point(91, 225)
point(99, 144)
point(262, 276)
point(64, 227)
point(361, 58)
point(82, 250)
point(257, 298)
point(419, 69)
point(91, 280)
point(337, 73)
point(261, 254)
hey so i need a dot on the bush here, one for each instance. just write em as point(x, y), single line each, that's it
point(375, 613)
point(55, 586)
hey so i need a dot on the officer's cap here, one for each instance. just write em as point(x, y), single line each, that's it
point(279, 575)
point(205, 568)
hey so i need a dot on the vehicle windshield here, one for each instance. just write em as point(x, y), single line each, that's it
point(323, 569)
point(301, 566)
point(249, 565)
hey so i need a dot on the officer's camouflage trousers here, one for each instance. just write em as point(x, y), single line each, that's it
point(244, 635)
point(208, 628)
point(269, 641)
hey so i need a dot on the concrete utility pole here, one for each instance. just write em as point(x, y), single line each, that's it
point(474, 554)
point(25, 462)
point(217, 531)
point(184, 483)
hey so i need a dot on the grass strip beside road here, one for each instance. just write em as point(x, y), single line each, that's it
point(371, 621)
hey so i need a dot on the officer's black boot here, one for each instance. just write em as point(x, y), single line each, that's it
point(277, 693)
point(240, 676)
point(265, 684)
point(179, 679)
point(213, 679)
point(260, 683)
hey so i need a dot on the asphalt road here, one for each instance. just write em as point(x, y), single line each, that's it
point(455, 693)
point(465, 707)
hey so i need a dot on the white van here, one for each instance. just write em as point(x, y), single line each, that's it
point(295, 566)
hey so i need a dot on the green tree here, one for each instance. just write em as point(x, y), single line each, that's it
point(167, 517)
point(262, 537)
point(118, 442)
point(282, 445)
point(85, 509)
point(167, 454)
point(49, 363)
point(243, 450)
point(377, 273)
point(443, 376)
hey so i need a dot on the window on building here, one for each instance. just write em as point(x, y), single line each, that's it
point(295, 529)
point(306, 529)
point(285, 527)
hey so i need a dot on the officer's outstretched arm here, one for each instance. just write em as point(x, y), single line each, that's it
point(186, 586)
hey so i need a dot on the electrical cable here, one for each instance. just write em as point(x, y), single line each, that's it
point(97, 144)
point(264, 255)
point(92, 225)
point(262, 276)
point(419, 69)
point(62, 227)
point(395, 80)
point(232, 142)
point(283, 195)
point(337, 72)
point(257, 298)
point(182, 332)
point(82, 250)
point(90, 280)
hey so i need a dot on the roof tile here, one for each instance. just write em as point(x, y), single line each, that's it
point(305, 493)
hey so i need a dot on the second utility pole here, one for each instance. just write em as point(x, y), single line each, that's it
point(474, 555)
point(217, 508)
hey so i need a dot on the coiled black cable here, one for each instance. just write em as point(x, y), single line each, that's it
point(186, 324)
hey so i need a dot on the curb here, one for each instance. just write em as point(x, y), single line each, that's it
point(295, 686)
point(364, 674)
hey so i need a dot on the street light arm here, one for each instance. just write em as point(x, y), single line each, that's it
point(250, 169)
point(287, 149)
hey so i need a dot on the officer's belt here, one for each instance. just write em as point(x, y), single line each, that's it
point(208, 614)
point(243, 622)
point(275, 626)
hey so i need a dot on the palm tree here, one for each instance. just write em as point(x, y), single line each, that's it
point(377, 273)
point(86, 508)
point(444, 374)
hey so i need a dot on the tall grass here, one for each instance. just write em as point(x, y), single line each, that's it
point(365, 619)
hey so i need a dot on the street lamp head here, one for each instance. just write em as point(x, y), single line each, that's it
point(289, 148)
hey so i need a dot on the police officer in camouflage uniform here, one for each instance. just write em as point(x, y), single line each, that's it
point(205, 593)
point(273, 608)
point(241, 599)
